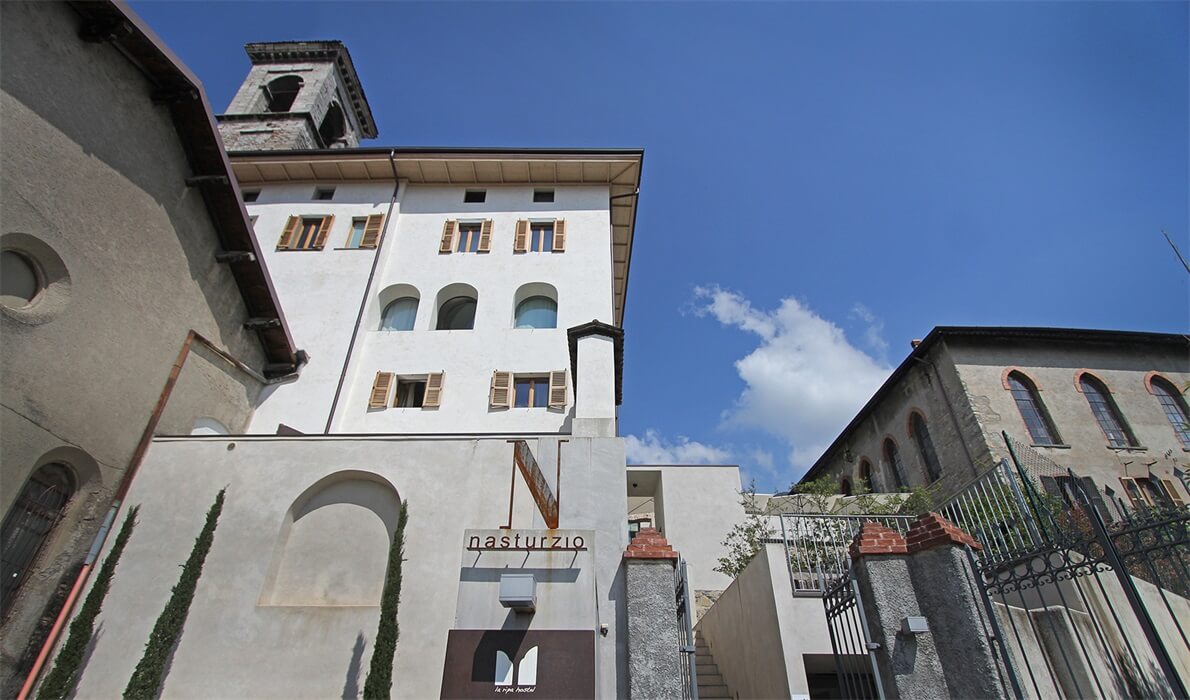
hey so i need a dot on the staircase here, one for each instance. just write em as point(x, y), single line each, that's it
point(710, 681)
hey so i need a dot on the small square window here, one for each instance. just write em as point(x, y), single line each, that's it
point(543, 195)
point(324, 194)
point(532, 392)
point(251, 195)
point(411, 393)
point(475, 196)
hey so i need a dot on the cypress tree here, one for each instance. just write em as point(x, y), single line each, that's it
point(378, 685)
point(150, 672)
point(61, 681)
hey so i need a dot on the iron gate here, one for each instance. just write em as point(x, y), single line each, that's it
point(851, 640)
point(686, 646)
point(1089, 600)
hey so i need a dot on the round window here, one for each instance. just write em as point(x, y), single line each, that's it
point(19, 282)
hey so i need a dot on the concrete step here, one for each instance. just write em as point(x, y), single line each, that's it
point(712, 691)
point(707, 670)
point(710, 678)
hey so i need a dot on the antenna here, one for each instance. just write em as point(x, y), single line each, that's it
point(1176, 251)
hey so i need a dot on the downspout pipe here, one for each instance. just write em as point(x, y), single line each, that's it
point(138, 456)
point(363, 303)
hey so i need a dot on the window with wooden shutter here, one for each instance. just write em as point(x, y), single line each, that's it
point(434, 383)
point(291, 226)
point(448, 236)
point(520, 241)
point(485, 237)
point(501, 393)
point(1171, 492)
point(560, 235)
point(372, 229)
point(324, 230)
point(1136, 494)
point(380, 389)
point(558, 389)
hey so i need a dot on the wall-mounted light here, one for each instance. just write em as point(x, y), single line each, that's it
point(519, 592)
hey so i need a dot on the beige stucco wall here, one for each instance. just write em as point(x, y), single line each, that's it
point(243, 639)
point(94, 170)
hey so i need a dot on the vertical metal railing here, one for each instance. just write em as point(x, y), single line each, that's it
point(816, 546)
point(686, 645)
point(851, 639)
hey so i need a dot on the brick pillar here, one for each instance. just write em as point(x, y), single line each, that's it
point(908, 664)
point(653, 655)
point(926, 574)
point(946, 590)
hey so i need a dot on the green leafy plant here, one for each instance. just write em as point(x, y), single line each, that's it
point(150, 671)
point(380, 673)
point(60, 682)
point(745, 539)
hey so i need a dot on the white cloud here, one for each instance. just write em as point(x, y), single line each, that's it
point(653, 449)
point(874, 333)
point(804, 381)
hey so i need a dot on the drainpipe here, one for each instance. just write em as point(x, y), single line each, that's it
point(954, 419)
point(138, 456)
point(359, 318)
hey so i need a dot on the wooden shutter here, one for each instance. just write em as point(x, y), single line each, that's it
point(1097, 501)
point(448, 236)
point(485, 236)
point(559, 235)
point(287, 233)
point(324, 230)
point(372, 228)
point(433, 397)
point(558, 389)
point(520, 242)
point(380, 388)
point(1135, 492)
point(1171, 492)
point(501, 394)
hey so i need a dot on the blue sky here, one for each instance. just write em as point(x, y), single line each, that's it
point(823, 181)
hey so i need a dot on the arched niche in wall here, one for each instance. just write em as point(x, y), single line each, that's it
point(334, 543)
point(388, 296)
point(451, 299)
point(535, 305)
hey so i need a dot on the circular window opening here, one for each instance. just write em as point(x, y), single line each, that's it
point(19, 282)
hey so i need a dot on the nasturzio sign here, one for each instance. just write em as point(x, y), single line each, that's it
point(530, 541)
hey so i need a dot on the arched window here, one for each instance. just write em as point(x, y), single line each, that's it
point(457, 314)
point(333, 126)
point(537, 312)
point(38, 507)
point(281, 92)
point(1037, 421)
point(399, 315)
point(892, 456)
point(1106, 412)
point(1175, 408)
point(925, 446)
point(865, 475)
point(845, 487)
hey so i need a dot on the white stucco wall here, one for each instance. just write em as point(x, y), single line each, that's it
point(320, 292)
point(238, 643)
point(699, 507)
point(582, 276)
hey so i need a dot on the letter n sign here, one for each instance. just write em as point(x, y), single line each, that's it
point(543, 495)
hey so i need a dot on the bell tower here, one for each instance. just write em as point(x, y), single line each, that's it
point(298, 95)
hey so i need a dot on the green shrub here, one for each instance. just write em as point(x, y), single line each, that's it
point(60, 681)
point(380, 673)
point(150, 672)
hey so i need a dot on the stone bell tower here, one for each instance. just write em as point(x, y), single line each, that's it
point(298, 95)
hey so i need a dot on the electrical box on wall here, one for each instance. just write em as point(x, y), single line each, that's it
point(519, 592)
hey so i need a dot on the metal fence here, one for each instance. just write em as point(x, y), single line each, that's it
point(686, 645)
point(851, 639)
point(816, 546)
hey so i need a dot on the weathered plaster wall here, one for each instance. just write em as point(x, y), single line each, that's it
point(265, 650)
point(95, 171)
point(1053, 368)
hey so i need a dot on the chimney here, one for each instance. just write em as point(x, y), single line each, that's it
point(596, 369)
